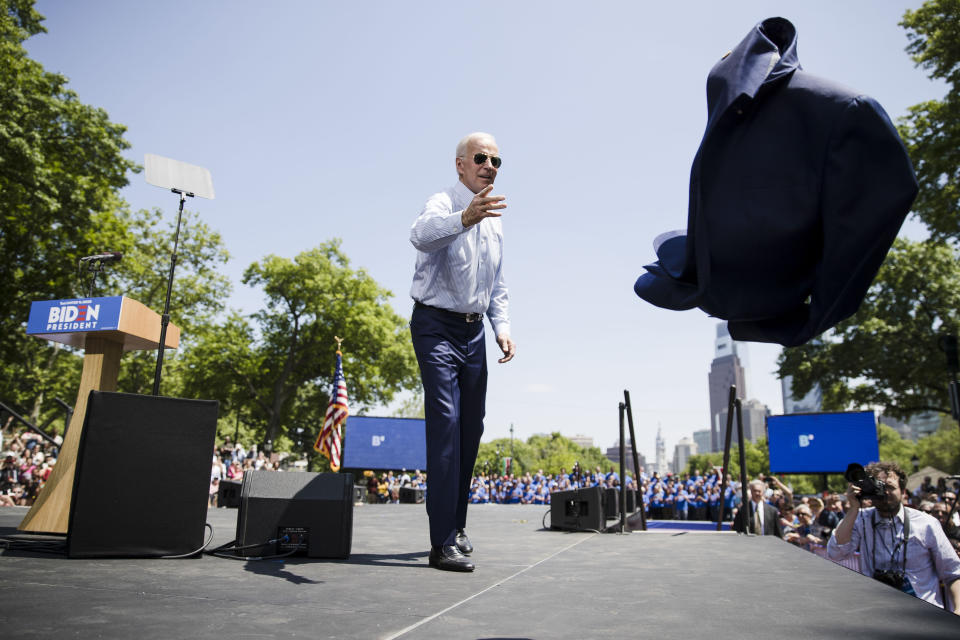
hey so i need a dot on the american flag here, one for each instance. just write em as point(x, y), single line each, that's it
point(337, 411)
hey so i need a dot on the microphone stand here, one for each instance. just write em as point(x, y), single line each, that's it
point(95, 268)
point(165, 317)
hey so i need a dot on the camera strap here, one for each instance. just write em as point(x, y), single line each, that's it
point(896, 544)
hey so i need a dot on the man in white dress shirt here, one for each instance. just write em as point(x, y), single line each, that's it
point(458, 279)
point(899, 546)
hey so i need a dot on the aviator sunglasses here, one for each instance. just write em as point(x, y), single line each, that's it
point(480, 158)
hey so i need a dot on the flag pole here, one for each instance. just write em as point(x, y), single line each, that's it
point(339, 342)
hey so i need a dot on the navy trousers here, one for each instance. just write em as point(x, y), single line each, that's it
point(453, 366)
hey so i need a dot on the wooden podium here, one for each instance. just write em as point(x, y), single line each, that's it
point(104, 328)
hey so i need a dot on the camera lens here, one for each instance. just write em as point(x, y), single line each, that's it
point(855, 473)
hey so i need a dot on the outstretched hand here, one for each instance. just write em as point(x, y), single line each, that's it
point(482, 206)
point(508, 347)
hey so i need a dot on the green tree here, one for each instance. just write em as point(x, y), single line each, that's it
point(939, 449)
point(60, 169)
point(197, 297)
point(548, 452)
point(412, 407)
point(931, 130)
point(887, 354)
point(276, 366)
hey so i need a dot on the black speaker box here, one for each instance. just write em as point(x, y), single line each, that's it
point(228, 495)
point(631, 500)
point(142, 479)
point(611, 503)
point(411, 495)
point(577, 510)
point(314, 511)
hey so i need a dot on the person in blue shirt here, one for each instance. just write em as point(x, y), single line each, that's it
point(528, 495)
point(713, 503)
point(516, 493)
point(681, 502)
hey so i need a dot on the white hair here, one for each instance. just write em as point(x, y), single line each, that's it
point(467, 139)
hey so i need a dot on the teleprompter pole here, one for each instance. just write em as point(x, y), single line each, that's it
point(726, 452)
point(636, 463)
point(165, 318)
point(623, 491)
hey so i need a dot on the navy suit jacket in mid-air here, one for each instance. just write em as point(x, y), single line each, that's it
point(797, 192)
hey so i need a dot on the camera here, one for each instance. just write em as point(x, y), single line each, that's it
point(892, 578)
point(869, 486)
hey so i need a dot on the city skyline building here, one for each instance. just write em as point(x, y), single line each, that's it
point(725, 370)
point(582, 441)
point(613, 454)
point(702, 439)
point(661, 457)
point(682, 452)
point(754, 415)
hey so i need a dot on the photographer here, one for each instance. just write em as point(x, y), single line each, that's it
point(898, 545)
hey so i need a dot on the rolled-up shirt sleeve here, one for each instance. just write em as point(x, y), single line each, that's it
point(945, 559)
point(437, 225)
point(837, 551)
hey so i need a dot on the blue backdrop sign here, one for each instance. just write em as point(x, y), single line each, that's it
point(821, 442)
point(74, 314)
point(385, 443)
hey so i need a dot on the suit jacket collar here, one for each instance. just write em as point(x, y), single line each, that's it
point(766, 55)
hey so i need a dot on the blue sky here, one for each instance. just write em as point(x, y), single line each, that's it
point(338, 119)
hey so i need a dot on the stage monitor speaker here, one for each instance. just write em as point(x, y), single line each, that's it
point(228, 495)
point(313, 511)
point(611, 503)
point(577, 510)
point(411, 495)
point(142, 479)
point(631, 500)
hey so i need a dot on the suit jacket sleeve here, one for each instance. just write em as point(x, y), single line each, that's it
point(868, 186)
point(773, 515)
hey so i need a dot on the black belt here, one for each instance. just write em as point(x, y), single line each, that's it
point(466, 317)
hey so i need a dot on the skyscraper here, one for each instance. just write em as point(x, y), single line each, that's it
point(661, 453)
point(754, 415)
point(702, 439)
point(681, 454)
point(725, 370)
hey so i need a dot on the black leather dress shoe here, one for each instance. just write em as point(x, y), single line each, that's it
point(463, 543)
point(449, 558)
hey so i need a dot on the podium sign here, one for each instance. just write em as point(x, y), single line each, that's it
point(117, 318)
point(49, 317)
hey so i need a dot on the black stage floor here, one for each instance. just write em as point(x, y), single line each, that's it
point(529, 583)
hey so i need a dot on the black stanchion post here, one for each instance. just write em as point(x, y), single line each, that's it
point(636, 463)
point(726, 451)
point(623, 456)
point(743, 462)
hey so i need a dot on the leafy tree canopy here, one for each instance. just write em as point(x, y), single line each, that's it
point(276, 366)
point(931, 130)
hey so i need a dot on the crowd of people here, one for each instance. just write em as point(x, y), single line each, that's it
point(28, 461)
point(231, 460)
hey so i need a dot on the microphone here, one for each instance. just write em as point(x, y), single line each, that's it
point(106, 256)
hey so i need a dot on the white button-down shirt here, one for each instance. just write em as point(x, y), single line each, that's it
point(930, 557)
point(459, 269)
